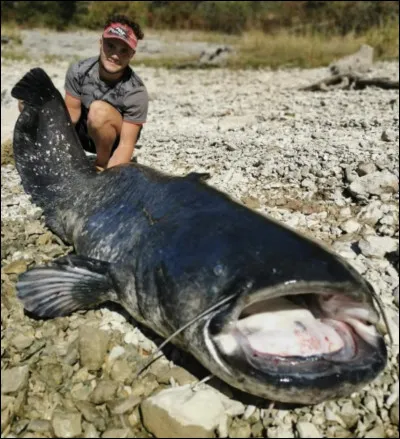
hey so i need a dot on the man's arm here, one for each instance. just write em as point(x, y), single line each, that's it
point(74, 107)
point(128, 138)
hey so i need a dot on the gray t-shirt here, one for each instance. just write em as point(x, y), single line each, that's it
point(129, 96)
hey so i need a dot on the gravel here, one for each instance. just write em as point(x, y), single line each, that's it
point(291, 154)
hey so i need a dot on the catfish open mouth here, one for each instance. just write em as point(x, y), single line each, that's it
point(304, 331)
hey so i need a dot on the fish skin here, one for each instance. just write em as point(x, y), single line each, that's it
point(167, 248)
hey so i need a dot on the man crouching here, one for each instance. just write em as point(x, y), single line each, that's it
point(106, 99)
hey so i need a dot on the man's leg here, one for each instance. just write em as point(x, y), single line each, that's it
point(104, 125)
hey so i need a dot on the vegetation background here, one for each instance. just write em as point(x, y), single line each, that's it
point(265, 33)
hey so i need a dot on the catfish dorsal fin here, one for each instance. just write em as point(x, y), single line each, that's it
point(199, 176)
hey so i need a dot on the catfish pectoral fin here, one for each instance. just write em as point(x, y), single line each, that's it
point(69, 284)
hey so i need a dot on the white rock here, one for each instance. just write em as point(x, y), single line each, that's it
point(91, 432)
point(66, 424)
point(116, 352)
point(350, 226)
point(377, 246)
point(358, 264)
point(344, 249)
point(376, 183)
point(281, 431)
point(385, 197)
point(14, 379)
point(371, 213)
point(389, 219)
point(249, 411)
point(307, 429)
point(132, 337)
point(377, 431)
point(93, 344)
point(370, 403)
point(394, 414)
point(331, 416)
point(309, 184)
point(345, 212)
point(367, 230)
point(182, 412)
point(116, 433)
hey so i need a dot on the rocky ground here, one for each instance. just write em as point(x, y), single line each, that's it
point(324, 163)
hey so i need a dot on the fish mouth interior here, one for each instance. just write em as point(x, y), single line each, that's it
point(296, 328)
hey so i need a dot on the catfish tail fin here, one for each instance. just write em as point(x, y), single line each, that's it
point(35, 88)
point(48, 155)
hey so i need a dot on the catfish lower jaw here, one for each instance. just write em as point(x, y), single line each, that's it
point(283, 347)
point(308, 380)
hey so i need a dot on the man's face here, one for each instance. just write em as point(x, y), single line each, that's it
point(115, 55)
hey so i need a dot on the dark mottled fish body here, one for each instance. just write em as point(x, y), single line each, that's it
point(168, 248)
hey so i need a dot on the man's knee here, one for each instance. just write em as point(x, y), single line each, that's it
point(102, 114)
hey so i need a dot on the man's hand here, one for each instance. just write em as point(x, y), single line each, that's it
point(124, 151)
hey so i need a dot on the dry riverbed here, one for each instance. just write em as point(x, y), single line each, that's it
point(325, 163)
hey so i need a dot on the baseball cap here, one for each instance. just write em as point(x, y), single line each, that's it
point(121, 32)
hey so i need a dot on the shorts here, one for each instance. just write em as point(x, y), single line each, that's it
point(83, 134)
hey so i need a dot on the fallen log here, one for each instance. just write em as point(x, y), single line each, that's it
point(350, 81)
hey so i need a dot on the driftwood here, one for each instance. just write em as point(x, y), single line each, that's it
point(209, 58)
point(346, 74)
point(350, 81)
point(359, 62)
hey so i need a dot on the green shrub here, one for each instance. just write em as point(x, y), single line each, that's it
point(53, 14)
point(343, 17)
point(231, 17)
point(98, 12)
point(174, 15)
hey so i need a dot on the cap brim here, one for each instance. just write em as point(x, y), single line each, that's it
point(115, 37)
